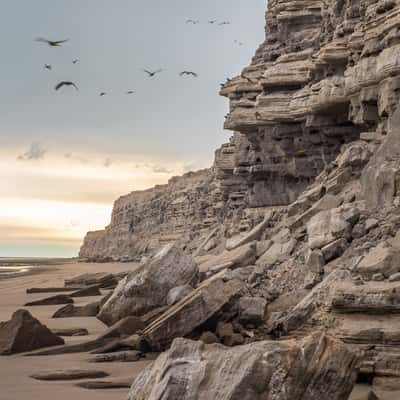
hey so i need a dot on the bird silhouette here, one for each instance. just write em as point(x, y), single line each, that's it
point(65, 83)
point(102, 94)
point(75, 61)
point(152, 73)
point(53, 43)
point(47, 66)
point(188, 73)
point(130, 92)
point(239, 43)
point(213, 21)
point(224, 23)
point(192, 21)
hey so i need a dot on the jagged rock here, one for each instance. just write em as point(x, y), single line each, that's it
point(50, 301)
point(252, 310)
point(277, 252)
point(69, 375)
point(208, 338)
point(52, 290)
point(124, 356)
point(328, 226)
point(191, 312)
point(86, 292)
point(100, 279)
point(71, 332)
point(385, 301)
point(147, 288)
point(101, 385)
point(178, 293)
point(89, 310)
point(239, 257)
point(133, 342)
point(285, 370)
point(334, 249)
point(250, 236)
point(380, 259)
point(24, 333)
point(125, 327)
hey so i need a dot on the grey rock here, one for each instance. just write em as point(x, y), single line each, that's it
point(69, 375)
point(147, 288)
point(23, 333)
point(252, 310)
point(178, 293)
point(284, 370)
point(53, 300)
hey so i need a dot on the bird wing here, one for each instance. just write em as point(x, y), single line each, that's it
point(59, 85)
point(73, 84)
point(149, 72)
point(60, 41)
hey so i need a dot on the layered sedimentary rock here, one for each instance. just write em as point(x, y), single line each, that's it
point(302, 207)
point(264, 370)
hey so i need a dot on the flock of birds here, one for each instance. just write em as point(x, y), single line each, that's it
point(151, 74)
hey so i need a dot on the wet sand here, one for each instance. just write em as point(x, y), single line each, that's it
point(15, 370)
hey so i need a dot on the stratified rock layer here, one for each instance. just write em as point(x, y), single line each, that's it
point(318, 368)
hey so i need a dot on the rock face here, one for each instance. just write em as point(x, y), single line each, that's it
point(25, 333)
point(263, 370)
point(147, 288)
point(296, 225)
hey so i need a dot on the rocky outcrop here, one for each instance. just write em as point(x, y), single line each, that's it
point(24, 333)
point(295, 227)
point(264, 370)
point(147, 288)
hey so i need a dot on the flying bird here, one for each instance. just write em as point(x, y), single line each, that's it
point(152, 73)
point(213, 21)
point(224, 23)
point(65, 83)
point(188, 73)
point(239, 43)
point(53, 43)
point(130, 92)
point(102, 94)
point(47, 66)
point(75, 61)
point(192, 21)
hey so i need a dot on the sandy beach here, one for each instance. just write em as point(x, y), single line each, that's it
point(15, 370)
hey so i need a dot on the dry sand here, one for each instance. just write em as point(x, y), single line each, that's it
point(15, 383)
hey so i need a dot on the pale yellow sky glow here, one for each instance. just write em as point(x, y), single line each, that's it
point(58, 198)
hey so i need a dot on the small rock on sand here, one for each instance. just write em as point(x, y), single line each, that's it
point(69, 375)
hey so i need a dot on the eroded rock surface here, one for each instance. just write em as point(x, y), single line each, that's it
point(264, 370)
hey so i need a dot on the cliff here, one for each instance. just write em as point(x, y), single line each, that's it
point(299, 215)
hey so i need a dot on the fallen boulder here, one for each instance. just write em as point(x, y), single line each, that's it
point(25, 333)
point(123, 356)
point(98, 385)
point(52, 289)
point(192, 311)
point(69, 375)
point(86, 292)
point(51, 301)
point(101, 279)
point(125, 327)
point(316, 368)
point(71, 332)
point(89, 310)
point(147, 288)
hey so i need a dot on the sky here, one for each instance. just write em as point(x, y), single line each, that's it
point(66, 155)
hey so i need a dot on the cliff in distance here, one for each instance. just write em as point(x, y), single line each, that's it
point(300, 212)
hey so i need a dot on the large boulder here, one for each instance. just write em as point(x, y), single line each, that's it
point(316, 368)
point(25, 333)
point(198, 307)
point(147, 288)
point(328, 226)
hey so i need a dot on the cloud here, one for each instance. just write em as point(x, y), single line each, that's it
point(35, 152)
